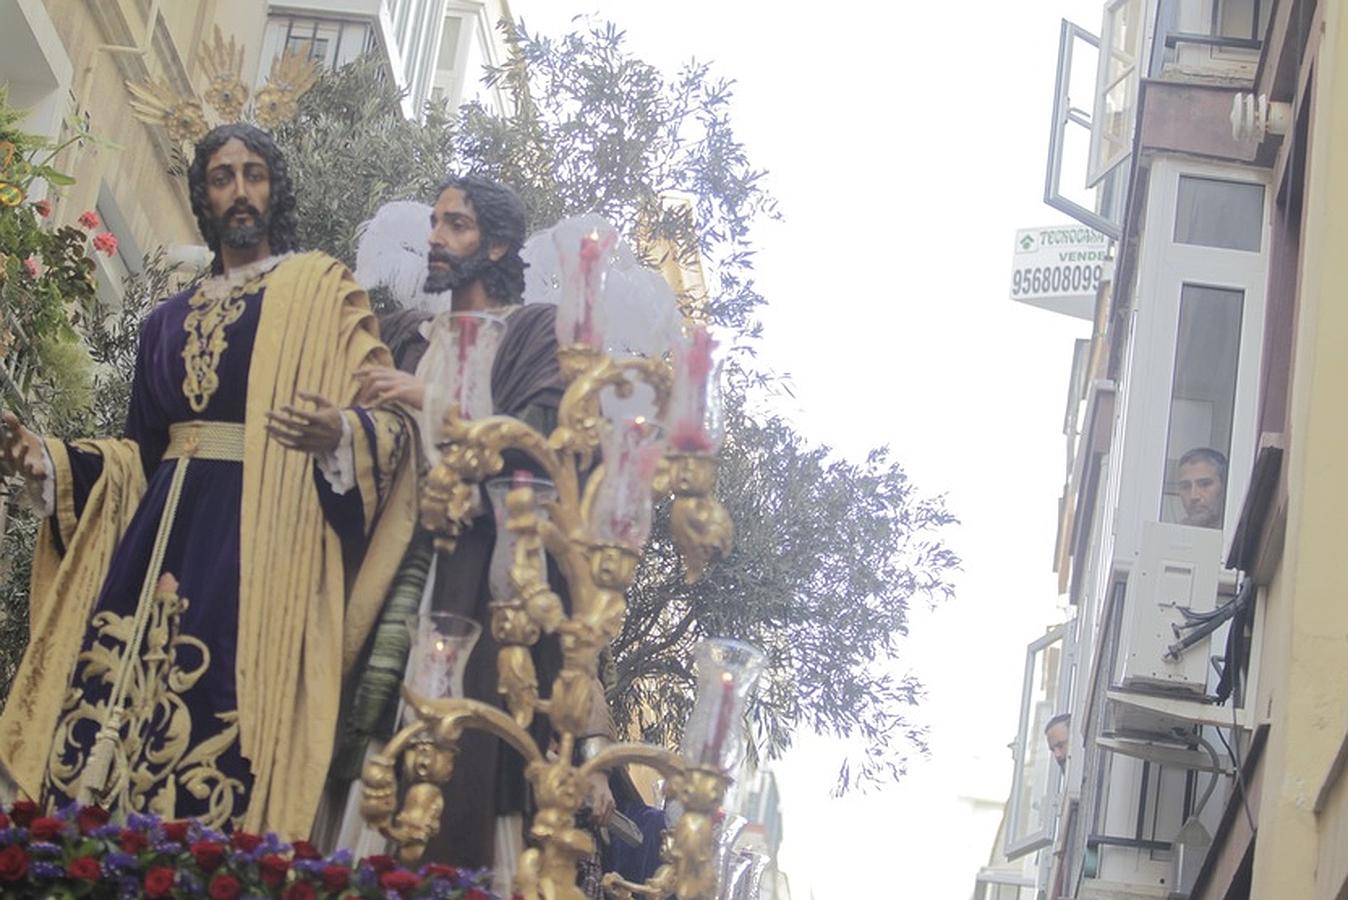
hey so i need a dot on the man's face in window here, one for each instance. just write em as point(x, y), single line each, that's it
point(1057, 737)
point(1203, 493)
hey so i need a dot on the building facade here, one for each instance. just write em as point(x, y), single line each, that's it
point(1204, 663)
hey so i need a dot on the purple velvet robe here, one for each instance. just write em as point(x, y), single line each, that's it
point(182, 745)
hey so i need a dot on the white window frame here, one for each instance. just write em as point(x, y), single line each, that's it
point(1017, 845)
point(1164, 267)
point(1100, 166)
point(1107, 221)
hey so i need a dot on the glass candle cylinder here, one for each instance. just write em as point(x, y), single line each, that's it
point(694, 420)
point(726, 673)
point(441, 645)
point(456, 369)
point(621, 513)
point(503, 552)
point(585, 247)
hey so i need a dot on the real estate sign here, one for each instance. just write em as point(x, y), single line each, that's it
point(1059, 267)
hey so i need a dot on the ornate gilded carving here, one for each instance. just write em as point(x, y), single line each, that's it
point(598, 575)
point(700, 525)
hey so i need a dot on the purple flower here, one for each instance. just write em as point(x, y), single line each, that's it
point(11, 835)
point(107, 832)
point(165, 846)
point(309, 866)
point(44, 869)
point(68, 811)
point(141, 822)
point(117, 861)
point(44, 848)
point(272, 844)
point(129, 888)
point(342, 857)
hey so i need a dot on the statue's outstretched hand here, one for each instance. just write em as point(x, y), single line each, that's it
point(384, 384)
point(20, 450)
point(317, 431)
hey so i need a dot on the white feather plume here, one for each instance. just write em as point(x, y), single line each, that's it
point(391, 253)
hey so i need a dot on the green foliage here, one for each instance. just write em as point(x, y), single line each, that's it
point(828, 555)
point(350, 151)
point(46, 280)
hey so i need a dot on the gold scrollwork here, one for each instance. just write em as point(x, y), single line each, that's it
point(205, 325)
point(152, 730)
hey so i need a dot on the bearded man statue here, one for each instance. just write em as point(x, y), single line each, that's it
point(202, 582)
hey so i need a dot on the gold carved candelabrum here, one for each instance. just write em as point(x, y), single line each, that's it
point(605, 473)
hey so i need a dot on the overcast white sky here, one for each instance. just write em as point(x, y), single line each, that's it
point(909, 141)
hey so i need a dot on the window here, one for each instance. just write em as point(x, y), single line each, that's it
point(1067, 186)
point(1032, 811)
point(1116, 85)
point(1211, 212)
point(1202, 404)
point(333, 42)
point(1241, 19)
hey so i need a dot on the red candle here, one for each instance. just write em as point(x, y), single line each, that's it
point(724, 710)
point(590, 253)
point(689, 434)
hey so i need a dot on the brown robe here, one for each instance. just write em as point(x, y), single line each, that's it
point(488, 778)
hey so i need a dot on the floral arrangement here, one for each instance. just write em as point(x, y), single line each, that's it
point(46, 272)
point(80, 852)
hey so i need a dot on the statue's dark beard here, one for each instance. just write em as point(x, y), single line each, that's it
point(462, 270)
point(243, 236)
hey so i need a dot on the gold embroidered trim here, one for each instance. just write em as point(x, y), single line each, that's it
point(205, 326)
point(153, 757)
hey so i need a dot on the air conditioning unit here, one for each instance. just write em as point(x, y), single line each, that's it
point(1178, 566)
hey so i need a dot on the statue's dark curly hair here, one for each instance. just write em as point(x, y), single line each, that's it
point(284, 223)
point(500, 218)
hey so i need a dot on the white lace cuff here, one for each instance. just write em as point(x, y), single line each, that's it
point(41, 495)
point(339, 465)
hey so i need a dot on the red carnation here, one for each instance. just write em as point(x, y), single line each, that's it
point(89, 219)
point(381, 863)
point(13, 863)
point(208, 854)
point(4, 820)
point(273, 869)
point(245, 841)
point(24, 812)
point(83, 868)
point(46, 828)
point(400, 880)
point(176, 831)
point(105, 243)
point(224, 887)
point(475, 894)
point(336, 878)
point(91, 817)
point(159, 882)
point(300, 890)
point(43, 208)
point(132, 842)
point(439, 870)
point(306, 850)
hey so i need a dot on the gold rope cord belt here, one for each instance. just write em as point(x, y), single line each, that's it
point(187, 441)
point(206, 440)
